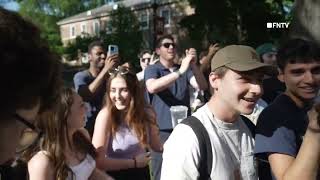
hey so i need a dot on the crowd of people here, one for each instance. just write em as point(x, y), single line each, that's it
point(257, 116)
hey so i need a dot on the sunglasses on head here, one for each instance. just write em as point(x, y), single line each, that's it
point(145, 59)
point(119, 70)
point(167, 45)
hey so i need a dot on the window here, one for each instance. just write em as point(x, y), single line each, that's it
point(96, 28)
point(83, 29)
point(144, 21)
point(109, 27)
point(72, 31)
point(165, 13)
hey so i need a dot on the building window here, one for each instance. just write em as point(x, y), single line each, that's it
point(144, 21)
point(96, 28)
point(109, 27)
point(72, 31)
point(165, 13)
point(83, 29)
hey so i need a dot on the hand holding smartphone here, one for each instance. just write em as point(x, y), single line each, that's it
point(113, 49)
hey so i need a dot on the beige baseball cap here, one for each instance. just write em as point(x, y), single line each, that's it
point(240, 58)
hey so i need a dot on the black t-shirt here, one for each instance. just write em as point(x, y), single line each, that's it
point(272, 88)
point(280, 128)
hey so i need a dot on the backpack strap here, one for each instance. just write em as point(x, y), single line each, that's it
point(205, 163)
point(250, 125)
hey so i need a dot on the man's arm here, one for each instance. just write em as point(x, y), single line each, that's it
point(101, 78)
point(155, 85)
point(305, 165)
point(87, 91)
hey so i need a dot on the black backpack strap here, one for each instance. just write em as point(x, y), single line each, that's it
point(250, 125)
point(205, 162)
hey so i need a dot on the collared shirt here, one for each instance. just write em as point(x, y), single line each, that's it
point(176, 94)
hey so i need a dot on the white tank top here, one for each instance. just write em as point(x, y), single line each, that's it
point(83, 170)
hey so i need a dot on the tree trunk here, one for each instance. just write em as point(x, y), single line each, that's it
point(306, 20)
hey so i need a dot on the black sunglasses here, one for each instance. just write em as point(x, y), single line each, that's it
point(145, 59)
point(167, 45)
point(29, 136)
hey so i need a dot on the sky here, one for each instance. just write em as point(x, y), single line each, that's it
point(11, 5)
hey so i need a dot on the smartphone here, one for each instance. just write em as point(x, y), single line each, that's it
point(113, 49)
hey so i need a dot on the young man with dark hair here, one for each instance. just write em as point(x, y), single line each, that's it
point(91, 83)
point(145, 58)
point(285, 136)
point(236, 79)
point(167, 85)
point(31, 81)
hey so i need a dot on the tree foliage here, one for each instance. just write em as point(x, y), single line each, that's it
point(46, 13)
point(234, 21)
point(125, 34)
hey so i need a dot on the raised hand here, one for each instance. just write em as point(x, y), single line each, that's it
point(111, 61)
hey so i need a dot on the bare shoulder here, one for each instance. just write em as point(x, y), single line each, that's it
point(40, 165)
point(103, 114)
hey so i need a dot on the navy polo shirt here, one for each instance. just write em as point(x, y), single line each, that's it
point(176, 94)
point(280, 128)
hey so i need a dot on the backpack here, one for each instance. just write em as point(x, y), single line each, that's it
point(205, 162)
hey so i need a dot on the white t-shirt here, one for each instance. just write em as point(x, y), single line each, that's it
point(232, 150)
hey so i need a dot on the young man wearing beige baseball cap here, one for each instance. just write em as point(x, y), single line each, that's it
point(236, 78)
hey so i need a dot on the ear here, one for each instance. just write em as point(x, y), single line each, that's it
point(89, 56)
point(280, 75)
point(214, 80)
point(158, 51)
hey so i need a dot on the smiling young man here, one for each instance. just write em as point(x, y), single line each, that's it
point(236, 79)
point(90, 83)
point(167, 85)
point(285, 137)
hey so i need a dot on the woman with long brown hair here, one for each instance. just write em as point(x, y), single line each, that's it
point(125, 128)
point(65, 150)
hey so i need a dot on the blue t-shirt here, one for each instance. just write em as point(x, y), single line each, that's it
point(94, 101)
point(280, 128)
point(176, 94)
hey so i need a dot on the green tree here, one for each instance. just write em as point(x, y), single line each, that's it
point(234, 21)
point(46, 14)
point(125, 33)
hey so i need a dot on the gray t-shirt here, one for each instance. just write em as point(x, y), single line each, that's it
point(232, 150)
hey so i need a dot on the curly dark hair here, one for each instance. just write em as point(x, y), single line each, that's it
point(30, 72)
